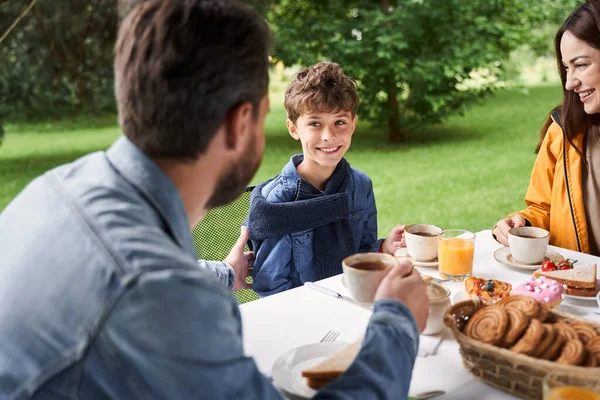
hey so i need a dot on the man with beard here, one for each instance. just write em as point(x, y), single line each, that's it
point(100, 293)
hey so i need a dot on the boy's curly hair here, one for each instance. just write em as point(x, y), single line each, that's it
point(321, 88)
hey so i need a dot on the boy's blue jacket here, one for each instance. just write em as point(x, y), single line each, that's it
point(284, 239)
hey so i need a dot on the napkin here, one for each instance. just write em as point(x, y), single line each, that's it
point(428, 345)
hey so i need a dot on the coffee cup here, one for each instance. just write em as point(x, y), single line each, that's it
point(363, 272)
point(528, 244)
point(422, 241)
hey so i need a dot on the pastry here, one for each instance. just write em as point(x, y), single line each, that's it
point(531, 338)
point(566, 331)
point(542, 289)
point(547, 339)
point(488, 325)
point(528, 305)
point(593, 345)
point(590, 360)
point(489, 291)
point(555, 347)
point(585, 331)
point(517, 323)
point(572, 353)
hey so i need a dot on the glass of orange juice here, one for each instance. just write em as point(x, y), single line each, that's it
point(560, 386)
point(455, 254)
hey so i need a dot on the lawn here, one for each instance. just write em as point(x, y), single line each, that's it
point(466, 173)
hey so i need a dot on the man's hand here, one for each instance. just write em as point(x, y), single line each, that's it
point(503, 226)
point(394, 240)
point(241, 261)
point(403, 283)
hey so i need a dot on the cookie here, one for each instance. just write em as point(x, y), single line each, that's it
point(585, 331)
point(593, 345)
point(555, 347)
point(590, 360)
point(528, 305)
point(531, 338)
point(566, 331)
point(572, 353)
point(547, 339)
point(517, 323)
point(488, 325)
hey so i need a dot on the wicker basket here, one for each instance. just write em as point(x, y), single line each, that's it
point(517, 374)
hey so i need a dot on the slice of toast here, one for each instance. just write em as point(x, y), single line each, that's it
point(332, 367)
point(582, 277)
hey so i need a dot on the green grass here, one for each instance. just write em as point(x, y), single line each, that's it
point(466, 173)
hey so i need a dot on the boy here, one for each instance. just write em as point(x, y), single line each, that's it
point(319, 210)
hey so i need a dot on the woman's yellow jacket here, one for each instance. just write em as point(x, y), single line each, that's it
point(554, 198)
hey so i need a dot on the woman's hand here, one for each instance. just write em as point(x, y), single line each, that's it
point(503, 226)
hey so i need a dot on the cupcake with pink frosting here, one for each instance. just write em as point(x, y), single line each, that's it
point(542, 289)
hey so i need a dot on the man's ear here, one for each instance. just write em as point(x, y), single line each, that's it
point(292, 130)
point(239, 122)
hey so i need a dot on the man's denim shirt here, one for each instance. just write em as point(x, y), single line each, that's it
point(101, 297)
point(280, 262)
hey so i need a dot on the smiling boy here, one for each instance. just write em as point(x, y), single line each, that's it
point(318, 210)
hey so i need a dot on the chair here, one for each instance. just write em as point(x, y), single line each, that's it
point(216, 234)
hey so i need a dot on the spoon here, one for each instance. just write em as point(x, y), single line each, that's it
point(427, 395)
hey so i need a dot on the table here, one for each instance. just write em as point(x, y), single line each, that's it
point(278, 323)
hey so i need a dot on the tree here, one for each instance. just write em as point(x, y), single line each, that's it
point(56, 55)
point(58, 59)
point(416, 61)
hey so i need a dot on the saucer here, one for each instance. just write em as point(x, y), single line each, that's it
point(503, 256)
point(403, 254)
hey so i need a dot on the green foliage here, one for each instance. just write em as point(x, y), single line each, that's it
point(58, 59)
point(417, 61)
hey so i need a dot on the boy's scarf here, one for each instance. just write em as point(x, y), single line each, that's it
point(326, 213)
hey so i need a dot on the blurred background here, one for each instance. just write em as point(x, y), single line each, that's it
point(453, 93)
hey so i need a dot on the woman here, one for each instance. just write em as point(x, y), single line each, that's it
point(564, 192)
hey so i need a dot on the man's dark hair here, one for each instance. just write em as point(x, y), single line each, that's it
point(181, 65)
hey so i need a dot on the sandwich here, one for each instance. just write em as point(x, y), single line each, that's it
point(331, 368)
point(579, 281)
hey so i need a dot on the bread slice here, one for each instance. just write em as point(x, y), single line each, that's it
point(573, 291)
point(581, 277)
point(329, 369)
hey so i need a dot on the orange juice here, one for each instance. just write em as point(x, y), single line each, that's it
point(455, 256)
point(572, 393)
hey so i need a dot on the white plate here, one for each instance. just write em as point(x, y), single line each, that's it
point(287, 369)
point(593, 298)
point(459, 296)
point(403, 254)
point(503, 256)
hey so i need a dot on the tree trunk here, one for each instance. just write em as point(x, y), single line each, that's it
point(395, 132)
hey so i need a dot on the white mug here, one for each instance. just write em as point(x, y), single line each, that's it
point(362, 282)
point(422, 241)
point(528, 244)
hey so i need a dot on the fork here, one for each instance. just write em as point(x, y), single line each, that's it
point(330, 336)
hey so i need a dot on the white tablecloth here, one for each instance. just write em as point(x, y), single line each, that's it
point(276, 324)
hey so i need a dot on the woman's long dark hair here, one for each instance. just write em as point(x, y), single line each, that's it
point(584, 24)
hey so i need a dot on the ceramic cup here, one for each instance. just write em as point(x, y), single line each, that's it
point(528, 244)
point(364, 271)
point(598, 299)
point(422, 241)
point(439, 301)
